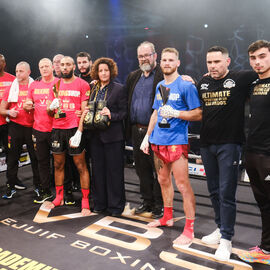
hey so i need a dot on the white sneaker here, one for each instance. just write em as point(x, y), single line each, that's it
point(224, 250)
point(212, 238)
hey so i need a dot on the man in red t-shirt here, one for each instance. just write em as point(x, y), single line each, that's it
point(69, 96)
point(72, 178)
point(37, 98)
point(5, 80)
point(20, 127)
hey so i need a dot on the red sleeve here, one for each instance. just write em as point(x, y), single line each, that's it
point(6, 93)
point(84, 89)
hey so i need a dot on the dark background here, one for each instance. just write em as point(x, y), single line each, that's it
point(33, 29)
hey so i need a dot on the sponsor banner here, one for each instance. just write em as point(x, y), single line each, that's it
point(10, 260)
point(24, 160)
point(196, 169)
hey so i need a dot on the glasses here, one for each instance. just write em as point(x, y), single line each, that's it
point(147, 55)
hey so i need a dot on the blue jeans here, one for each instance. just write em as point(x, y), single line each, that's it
point(221, 163)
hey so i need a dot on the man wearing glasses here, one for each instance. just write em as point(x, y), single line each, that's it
point(141, 85)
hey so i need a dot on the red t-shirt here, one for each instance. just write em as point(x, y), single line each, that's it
point(5, 81)
point(71, 96)
point(23, 118)
point(39, 93)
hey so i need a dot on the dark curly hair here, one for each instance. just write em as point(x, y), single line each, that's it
point(109, 62)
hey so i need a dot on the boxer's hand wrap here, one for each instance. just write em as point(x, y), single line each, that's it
point(167, 111)
point(55, 104)
point(75, 140)
point(145, 143)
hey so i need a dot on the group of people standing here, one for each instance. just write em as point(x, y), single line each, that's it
point(152, 110)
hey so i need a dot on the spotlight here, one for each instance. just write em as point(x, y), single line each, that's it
point(86, 36)
point(206, 25)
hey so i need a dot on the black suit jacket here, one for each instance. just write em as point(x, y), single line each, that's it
point(117, 104)
point(131, 82)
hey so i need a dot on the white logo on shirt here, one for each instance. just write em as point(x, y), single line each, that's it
point(267, 178)
point(229, 83)
point(174, 96)
point(204, 86)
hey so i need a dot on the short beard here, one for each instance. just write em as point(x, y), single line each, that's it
point(86, 72)
point(263, 72)
point(146, 67)
point(67, 76)
point(168, 72)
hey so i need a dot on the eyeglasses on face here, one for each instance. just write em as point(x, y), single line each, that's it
point(147, 55)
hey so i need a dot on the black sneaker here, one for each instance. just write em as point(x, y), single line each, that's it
point(43, 197)
point(76, 188)
point(144, 207)
point(157, 213)
point(69, 199)
point(9, 193)
point(20, 185)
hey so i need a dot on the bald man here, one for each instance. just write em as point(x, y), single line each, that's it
point(56, 65)
point(70, 95)
point(20, 127)
point(37, 98)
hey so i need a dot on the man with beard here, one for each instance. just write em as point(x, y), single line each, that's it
point(141, 85)
point(20, 127)
point(5, 80)
point(37, 99)
point(223, 94)
point(84, 64)
point(169, 141)
point(71, 173)
point(258, 147)
point(68, 97)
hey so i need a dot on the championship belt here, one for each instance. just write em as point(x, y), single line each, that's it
point(88, 122)
point(59, 113)
point(93, 118)
point(101, 122)
point(164, 92)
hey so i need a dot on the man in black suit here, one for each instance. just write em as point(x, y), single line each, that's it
point(141, 86)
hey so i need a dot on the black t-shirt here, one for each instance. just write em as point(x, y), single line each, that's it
point(87, 78)
point(258, 140)
point(223, 103)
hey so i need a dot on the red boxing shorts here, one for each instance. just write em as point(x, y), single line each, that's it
point(170, 153)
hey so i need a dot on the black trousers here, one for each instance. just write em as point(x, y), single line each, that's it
point(258, 169)
point(145, 169)
point(4, 137)
point(108, 188)
point(43, 143)
point(17, 136)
